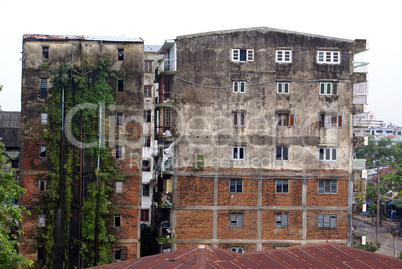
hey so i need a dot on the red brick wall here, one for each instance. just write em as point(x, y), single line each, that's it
point(194, 224)
point(195, 191)
point(246, 198)
point(292, 232)
point(292, 198)
point(31, 160)
point(248, 231)
point(325, 199)
point(341, 232)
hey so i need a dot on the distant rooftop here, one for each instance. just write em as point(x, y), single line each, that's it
point(262, 29)
point(152, 48)
point(82, 37)
point(10, 119)
point(325, 255)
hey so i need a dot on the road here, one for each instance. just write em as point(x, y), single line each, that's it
point(385, 238)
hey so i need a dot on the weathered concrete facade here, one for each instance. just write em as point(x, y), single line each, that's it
point(264, 107)
point(124, 140)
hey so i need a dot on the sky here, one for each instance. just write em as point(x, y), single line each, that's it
point(156, 20)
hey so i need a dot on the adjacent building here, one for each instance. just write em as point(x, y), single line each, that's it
point(81, 148)
point(256, 128)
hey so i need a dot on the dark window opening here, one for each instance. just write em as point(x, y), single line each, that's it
point(42, 151)
point(146, 165)
point(147, 115)
point(119, 119)
point(144, 215)
point(120, 54)
point(45, 53)
point(117, 220)
point(147, 141)
point(120, 85)
point(43, 87)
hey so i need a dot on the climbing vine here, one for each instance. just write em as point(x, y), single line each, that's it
point(71, 87)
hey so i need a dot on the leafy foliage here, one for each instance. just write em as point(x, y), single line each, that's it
point(379, 154)
point(74, 83)
point(10, 215)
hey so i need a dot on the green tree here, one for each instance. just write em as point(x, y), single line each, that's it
point(10, 215)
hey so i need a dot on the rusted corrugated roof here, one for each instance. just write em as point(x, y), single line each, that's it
point(327, 255)
point(82, 37)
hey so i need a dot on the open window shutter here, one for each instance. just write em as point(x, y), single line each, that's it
point(235, 54)
point(285, 155)
point(235, 86)
point(291, 120)
point(340, 123)
point(329, 88)
point(320, 221)
point(250, 55)
point(242, 87)
point(124, 254)
point(285, 220)
point(335, 88)
point(322, 88)
point(279, 87)
point(241, 153)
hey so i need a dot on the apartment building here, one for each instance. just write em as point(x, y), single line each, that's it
point(151, 58)
point(81, 148)
point(256, 136)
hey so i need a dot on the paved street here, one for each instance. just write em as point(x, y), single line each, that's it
point(386, 240)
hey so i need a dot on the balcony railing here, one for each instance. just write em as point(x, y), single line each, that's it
point(169, 65)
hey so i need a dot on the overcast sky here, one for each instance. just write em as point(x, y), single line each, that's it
point(156, 20)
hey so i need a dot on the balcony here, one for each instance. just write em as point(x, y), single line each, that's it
point(165, 200)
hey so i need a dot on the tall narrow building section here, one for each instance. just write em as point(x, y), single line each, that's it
point(81, 150)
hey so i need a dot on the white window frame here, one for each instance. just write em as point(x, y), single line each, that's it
point(327, 154)
point(328, 57)
point(236, 55)
point(327, 186)
point(119, 186)
point(328, 88)
point(283, 56)
point(329, 121)
point(282, 87)
point(236, 220)
point(280, 182)
point(327, 221)
point(235, 183)
point(43, 118)
point(237, 249)
point(239, 86)
point(280, 151)
point(239, 119)
point(236, 150)
point(285, 120)
point(281, 220)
